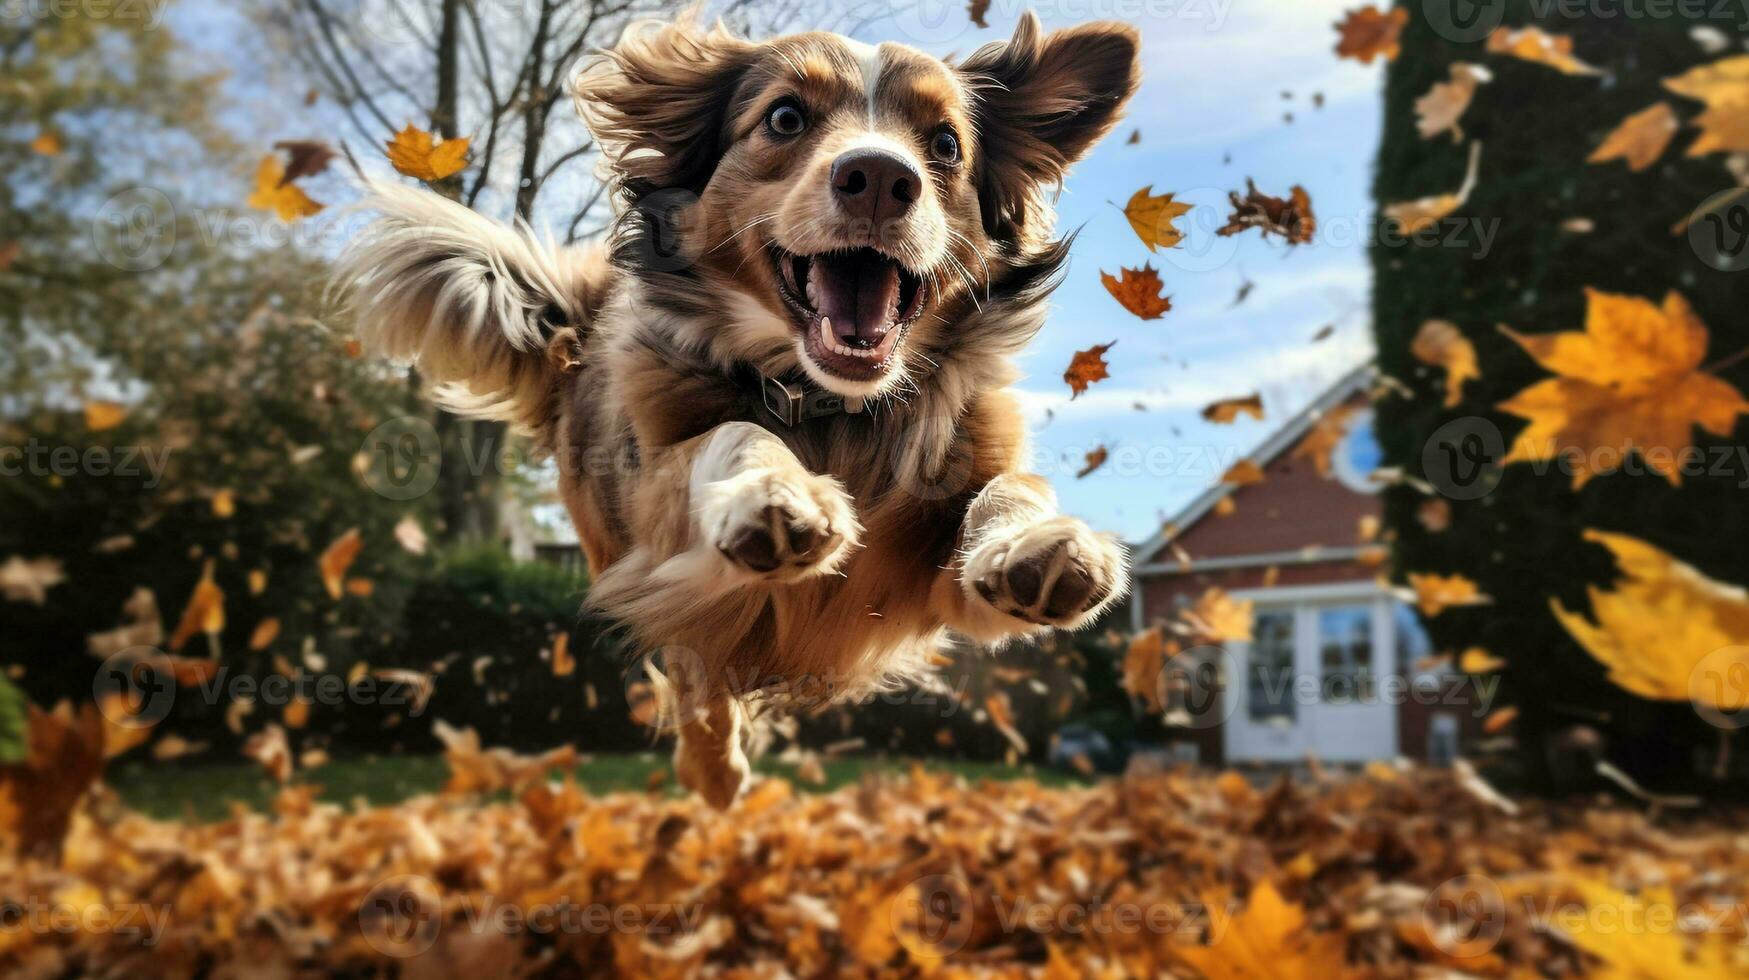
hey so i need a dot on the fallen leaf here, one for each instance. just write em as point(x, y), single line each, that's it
point(1640, 139)
point(1534, 45)
point(417, 154)
point(1002, 718)
point(1225, 411)
point(336, 559)
point(1139, 291)
point(1086, 367)
point(1435, 594)
point(1292, 218)
point(1414, 217)
point(1445, 103)
point(1269, 939)
point(1135, 137)
point(101, 416)
point(272, 193)
point(64, 757)
point(1631, 380)
point(1095, 459)
point(1152, 216)
point(1441, 344)
point(296, 714)
point(257, 581)
point(1368, 33)
point(1724, 87)
point(141, 627)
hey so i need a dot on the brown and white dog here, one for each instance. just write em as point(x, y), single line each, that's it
point(776, 397)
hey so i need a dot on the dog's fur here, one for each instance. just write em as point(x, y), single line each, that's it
point(804, 563)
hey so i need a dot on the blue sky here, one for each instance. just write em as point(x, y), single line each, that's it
point(1214, 74)
point(1213, 77)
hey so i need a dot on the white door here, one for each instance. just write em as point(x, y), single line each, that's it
point(1309, 682)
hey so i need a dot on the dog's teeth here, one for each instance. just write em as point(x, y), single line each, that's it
point(826, 331)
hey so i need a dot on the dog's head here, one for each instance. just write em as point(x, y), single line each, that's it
point(838, 205)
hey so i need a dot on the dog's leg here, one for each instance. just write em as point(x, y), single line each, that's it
point(1022, 566)
point(708, 756)
point(754, 504)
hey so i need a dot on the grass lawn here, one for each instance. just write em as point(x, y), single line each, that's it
point(208, 792)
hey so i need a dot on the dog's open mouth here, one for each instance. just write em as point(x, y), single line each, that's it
point(852, 306)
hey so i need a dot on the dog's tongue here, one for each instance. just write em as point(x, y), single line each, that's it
point(859, 292)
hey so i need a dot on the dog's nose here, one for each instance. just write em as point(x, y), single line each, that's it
point(873, 184)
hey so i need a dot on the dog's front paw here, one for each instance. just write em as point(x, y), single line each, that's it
point(780, 524)
point(1056, 573)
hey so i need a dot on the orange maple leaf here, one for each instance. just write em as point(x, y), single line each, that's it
point(1139, 291)
point(1368, 33)
point(1086, 367)
point(1268, 939)
point(1225, 411)
point(1537, 46)
point(1631, 380)
point(274, 193)
point(1152, 216)
point(1640, 139)
point(1320, 443)
point(420, 155)
point(1724, 87)
point(1435, 594)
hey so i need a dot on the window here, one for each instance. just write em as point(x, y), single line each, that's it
point(1271, 668)
point(1345, 653)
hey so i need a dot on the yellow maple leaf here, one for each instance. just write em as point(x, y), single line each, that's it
point(1630, 380)
point(1724, 87)
point(1665, 631)
point(1435, 594)
point(1267, 941)
point(420, 155)
point(1640, 139)
point(1536, 45)
point(1319, 444)
point(272, 193)
point(1442, 344)
point(1152, 216)
point(1217, 617)
point(1646, 953)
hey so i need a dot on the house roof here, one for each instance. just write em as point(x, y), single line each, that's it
point(1280, 441)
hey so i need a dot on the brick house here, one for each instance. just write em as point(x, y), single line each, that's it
point(1338, 665)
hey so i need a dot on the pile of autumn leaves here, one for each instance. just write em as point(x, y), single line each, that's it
point(1633, 381)
point(1379, 874)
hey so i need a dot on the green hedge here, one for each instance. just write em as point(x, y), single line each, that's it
point(1522, 541)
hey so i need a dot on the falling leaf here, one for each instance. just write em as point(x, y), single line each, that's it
point(1087, 367)
point(1152, 216)
point(205, 612)
point(1434, 515)
point(417, 154)
point(1219, 618)
point(409, 535)
point(1292, 219)
point(46, 144)
point(1270, 939)
point(564, 665)
point(224, 504)
point(1135, 137)
point(174, 746)
point(1225, 411)
point(1244, 292)
point(1665, 630)
point(1139, 291)
point(337, 559)
point(1144, 665)
point(1445, 103)
point(270, 749)
point(1476, 660)
point(1368, 528)
point(1319, 444)
point(473, 769)
point(64, 757)
point(1368, 33)
point(304, 158)
point(257, 581)
point(101, 416)
point(24, 580)
point(9, 252)
point(1435, 594)
point(1095, 459)
point(272, 193)
point(141, 627)
point(264, 634)
point(976, 10)
point(1640, 139)
point(1534, 45)
point(1243, 473)
point(1324, 333)
point(1226, 506)
point(361, 587)
point(1002, 718)
point(1724, 87)
point(1441, 344)
point(1414, 217)
point(1631, 379)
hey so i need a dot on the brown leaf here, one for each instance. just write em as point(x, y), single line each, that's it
point(1086, 367)
point(1318, 444)
point(1724, 87)
point(1368, 33)
point(1442, 344)
point(64, 756)
point(1139, 291)
point(304, 158)
point(976, 10)
point(9, 252)
point(1435, 594)
point(1225, 411)
point(1445, 103)
point(1292, 219)
point(47, 144)
point(1095, 459)
point(1434, 515)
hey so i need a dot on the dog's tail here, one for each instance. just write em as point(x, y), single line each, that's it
point(492, 316)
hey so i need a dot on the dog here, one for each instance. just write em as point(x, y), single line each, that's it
point(777, 392)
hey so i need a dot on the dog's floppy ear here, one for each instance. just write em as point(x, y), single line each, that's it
point(656, 102)
point(1043, 101)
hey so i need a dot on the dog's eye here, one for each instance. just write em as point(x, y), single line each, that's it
point(945, 146)
point(786, 119)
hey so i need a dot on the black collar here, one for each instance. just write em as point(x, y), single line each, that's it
point(794, 402)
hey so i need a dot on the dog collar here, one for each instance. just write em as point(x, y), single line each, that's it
point(793, 403)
